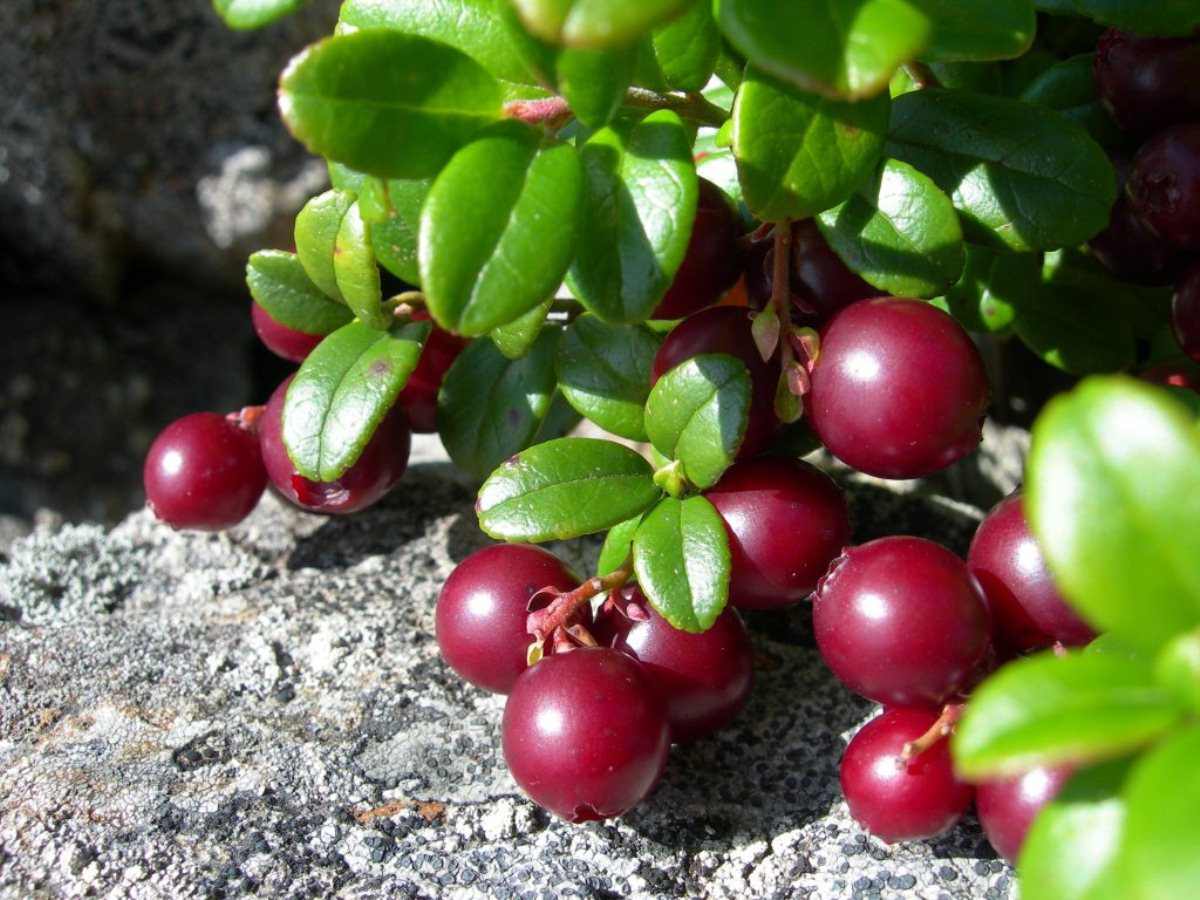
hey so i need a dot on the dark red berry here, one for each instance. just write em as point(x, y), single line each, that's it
point(1027, 609)
point(1132, 253)
point(705, 678)
point(897, 800)
point(786, 521)
point(1147, 83)
point(713, 260)
point(420, 392)
point(1164, 185)
point(586, 733)
point(1007, 807)
point(1185, 310)
point(726, 329)
point(286, 342)
point(898, 390)
point(481, 611)
point(901, 621)
point(376, 472)
point(1180, 375)
point(203, 472)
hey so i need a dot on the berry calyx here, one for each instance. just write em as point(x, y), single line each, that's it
point(786, 520)
point(376, 471)
point(203, 472)
point(1007, 807)
point(1164, 185)
point(899, 390)
point(284, 342)
point(586, 734)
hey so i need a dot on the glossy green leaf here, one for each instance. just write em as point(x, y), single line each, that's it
point(843, 49)
point(1020, 175)
point(593, 23)
point(563, 489)
point(899, 232)
point(490, 407)
point(1069, 88)
point(697, 412)
point(355, 270)
point(498, 229)
point(618, 544)
point(993, 283)
point(1049, 709)
point(248, 14)
point(560, 420)
point(1158, 855)
point(978, 29)
point(687, 47)
point(604, 372)
point(516, 338)
point(342, 391)
point(1071, 849)
point(1161, 18)
point(594, 82)
point(317, 226)
point(1114, 497)
point(1177, 668)
point(1075, 319)
point(681, 559)
point(385, 103)
point(798, 153)
point(394, 235)
point(640, 202)
point(279, 284)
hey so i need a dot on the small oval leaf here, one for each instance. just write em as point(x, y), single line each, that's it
point(245, 15)
point(317, 226)
point(594, 82)
point(687, 47)
point(604, 372)
point(978, 29)
point(355, 270)
point(516, 338)
point(618, 544)
point(593, 23)
point(279, 284)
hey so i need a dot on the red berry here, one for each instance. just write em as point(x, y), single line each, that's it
point(1007, 807)
point(1147, 83)
point(705, 678)
point(376, 471)
point(901, 621)
point(481, 611)
point(203, 472)
point(1027, 609)
point(1130, 252)
point(420, 392)
point(898, 390)
point(586, 733)
point(1164, 185)
point(286, 342)
point(786, 521)
point(1185, 310)
point(1180, 375)
point(713, 260)
point(896, 800)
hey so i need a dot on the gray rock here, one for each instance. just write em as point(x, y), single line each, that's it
point(265, 711)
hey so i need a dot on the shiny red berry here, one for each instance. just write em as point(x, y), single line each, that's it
point(1164, 185)
point(1185, 310)
point(1147, 83)
point(420, 392)
point(284, 342)
point(713, 260)
point(1007, 807)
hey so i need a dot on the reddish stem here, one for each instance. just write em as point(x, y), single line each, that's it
point(921, 76)
point(546, 110)
point(247, 417)
point(938, 731)
point(544, 622)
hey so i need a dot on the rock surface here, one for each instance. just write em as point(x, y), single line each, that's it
point(265, 710)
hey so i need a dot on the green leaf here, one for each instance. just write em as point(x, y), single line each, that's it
point(1177, 668)
point(993, 283)
point(842, 49)
point(899, 232)
point(1114, 498)
point(1162, 831)
point(681, 559)
point(245, 15)
point(564, 489)
point(476, 27)
point(604, 372)
point(617, 546)
point(355, 270)
point(1071, 848)
point(687, 47)
point(1075, 319)
point(1160, 18)
point(799, 154)
point(594, 82)
point(516, 338)
point(641, 200)
point(697, 414)
point(317, 226)
point(279, 285)
point(1021, 175)
point(1049, 709)
point(385, 103)
point(593, 23)
point(1069, 88)
point(342, 391)
point(394, 234)
point(978, 29)
point(490, 407)
point(560, 420)
point(498, 229)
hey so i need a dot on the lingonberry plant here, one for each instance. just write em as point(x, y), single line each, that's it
point(840, 202)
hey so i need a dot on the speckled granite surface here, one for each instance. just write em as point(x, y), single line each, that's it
point(265, 711)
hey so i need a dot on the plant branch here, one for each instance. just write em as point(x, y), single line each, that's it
point(554, 111)
point(542, 623)
point(921, 76)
